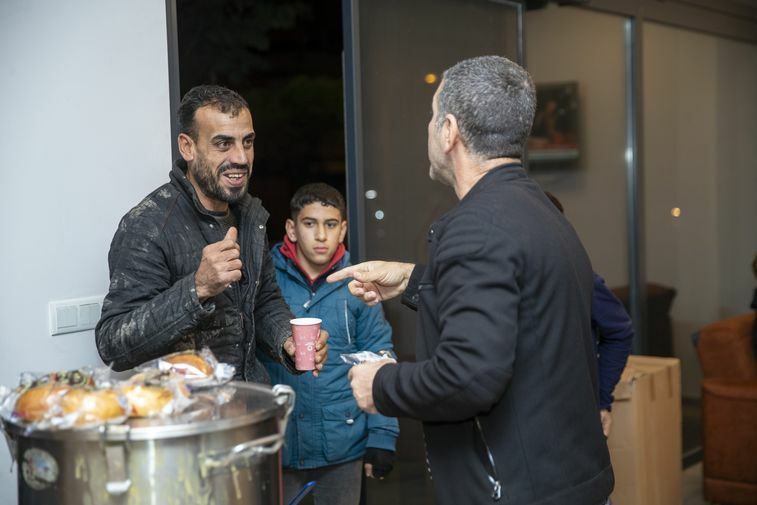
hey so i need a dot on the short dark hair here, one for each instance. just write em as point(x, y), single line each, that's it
point(493, 100)
point(219, 97)
point(317, 192)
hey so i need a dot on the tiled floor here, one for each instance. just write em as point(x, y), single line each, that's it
point(692, 485)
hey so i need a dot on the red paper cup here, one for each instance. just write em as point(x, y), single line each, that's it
point(305, 331)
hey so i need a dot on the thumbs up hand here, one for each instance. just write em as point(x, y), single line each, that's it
point(219, 267)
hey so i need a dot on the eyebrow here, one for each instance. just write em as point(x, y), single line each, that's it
point(308, 218)
point(229, 138)
point(220, 138)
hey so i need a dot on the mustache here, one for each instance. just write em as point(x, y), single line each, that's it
point(233, 166)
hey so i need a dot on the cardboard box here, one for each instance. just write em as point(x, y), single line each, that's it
point(645, 439)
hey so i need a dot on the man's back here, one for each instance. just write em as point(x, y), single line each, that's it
point(505, 335)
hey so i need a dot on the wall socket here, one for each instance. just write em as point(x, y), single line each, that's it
point(77, 314)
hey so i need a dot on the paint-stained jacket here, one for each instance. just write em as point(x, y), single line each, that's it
point(326, 426)
point(152, 308)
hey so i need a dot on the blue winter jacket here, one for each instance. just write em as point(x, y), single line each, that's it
point(326, 426)
point(613, 334)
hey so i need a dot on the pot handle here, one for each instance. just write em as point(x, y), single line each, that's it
point(116, 459)
point(284, 395)
point(261, 447)
point(12, 442)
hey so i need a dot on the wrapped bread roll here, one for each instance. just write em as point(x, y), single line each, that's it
point(92, 406)
point(146, 401)
point(36, 402)
point(190, 364)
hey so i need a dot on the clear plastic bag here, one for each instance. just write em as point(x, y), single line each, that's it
point(357, 358)
point(199, 369)
point(81, 398)
point(156, 394)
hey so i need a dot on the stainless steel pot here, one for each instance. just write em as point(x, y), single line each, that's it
point(227, 455)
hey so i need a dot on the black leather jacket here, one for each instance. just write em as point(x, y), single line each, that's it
point(505, 377)
point(152, 308)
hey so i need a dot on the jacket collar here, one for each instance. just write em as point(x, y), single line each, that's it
point(505, 172)
point(288, 249)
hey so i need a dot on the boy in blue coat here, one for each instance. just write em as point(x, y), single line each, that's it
point(329, 439)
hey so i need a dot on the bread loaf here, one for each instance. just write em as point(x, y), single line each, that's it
point(190, 364)
point(92, 405)
point(146, 401)
point(36, 402)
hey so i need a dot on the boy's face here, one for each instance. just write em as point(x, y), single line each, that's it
point(318, 230)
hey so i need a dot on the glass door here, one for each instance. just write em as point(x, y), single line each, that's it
point(395, 53)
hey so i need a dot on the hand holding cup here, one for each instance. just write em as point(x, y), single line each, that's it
point(308, 344)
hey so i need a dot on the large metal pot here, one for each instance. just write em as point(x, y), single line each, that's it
point(229, 455)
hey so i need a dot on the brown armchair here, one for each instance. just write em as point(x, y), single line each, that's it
point(729, 411)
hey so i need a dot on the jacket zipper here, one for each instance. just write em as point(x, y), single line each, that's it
point(347, 323)
point(492, 473)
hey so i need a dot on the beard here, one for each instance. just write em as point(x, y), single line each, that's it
point(209, 180)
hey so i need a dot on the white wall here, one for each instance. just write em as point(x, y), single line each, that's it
point(85, 134)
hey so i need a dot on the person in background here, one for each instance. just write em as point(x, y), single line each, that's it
point(505, 377)
point(329, 439)
point(189, 265)
point(613, 334)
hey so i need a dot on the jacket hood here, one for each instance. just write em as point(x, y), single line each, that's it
point(288, 250)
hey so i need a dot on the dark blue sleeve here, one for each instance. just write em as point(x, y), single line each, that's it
point(614, 333)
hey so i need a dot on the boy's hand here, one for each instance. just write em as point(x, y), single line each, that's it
point(377, 463)
point(321, 350)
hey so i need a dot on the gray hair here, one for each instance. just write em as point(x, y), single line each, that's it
point(493, 100)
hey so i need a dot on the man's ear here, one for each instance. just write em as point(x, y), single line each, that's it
point(186, 147)
point(343, 231)
point(450, 133)
point(290, 229)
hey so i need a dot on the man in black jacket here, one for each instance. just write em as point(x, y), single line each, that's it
point(190, 264)
point(505, 379)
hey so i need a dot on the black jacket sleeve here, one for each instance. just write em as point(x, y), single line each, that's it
point(470, 294)
point(410, 297)
point(143, 313)
point(272, 315)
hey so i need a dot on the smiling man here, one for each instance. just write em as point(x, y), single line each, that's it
point(189, 265)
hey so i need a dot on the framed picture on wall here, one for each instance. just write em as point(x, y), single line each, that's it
point(554, 136)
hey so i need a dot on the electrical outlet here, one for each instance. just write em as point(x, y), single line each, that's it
point(77, 314)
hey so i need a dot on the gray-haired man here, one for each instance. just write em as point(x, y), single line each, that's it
point(505, 378)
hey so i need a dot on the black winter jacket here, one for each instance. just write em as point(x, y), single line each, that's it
point(505, 378)
point(152, 308)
